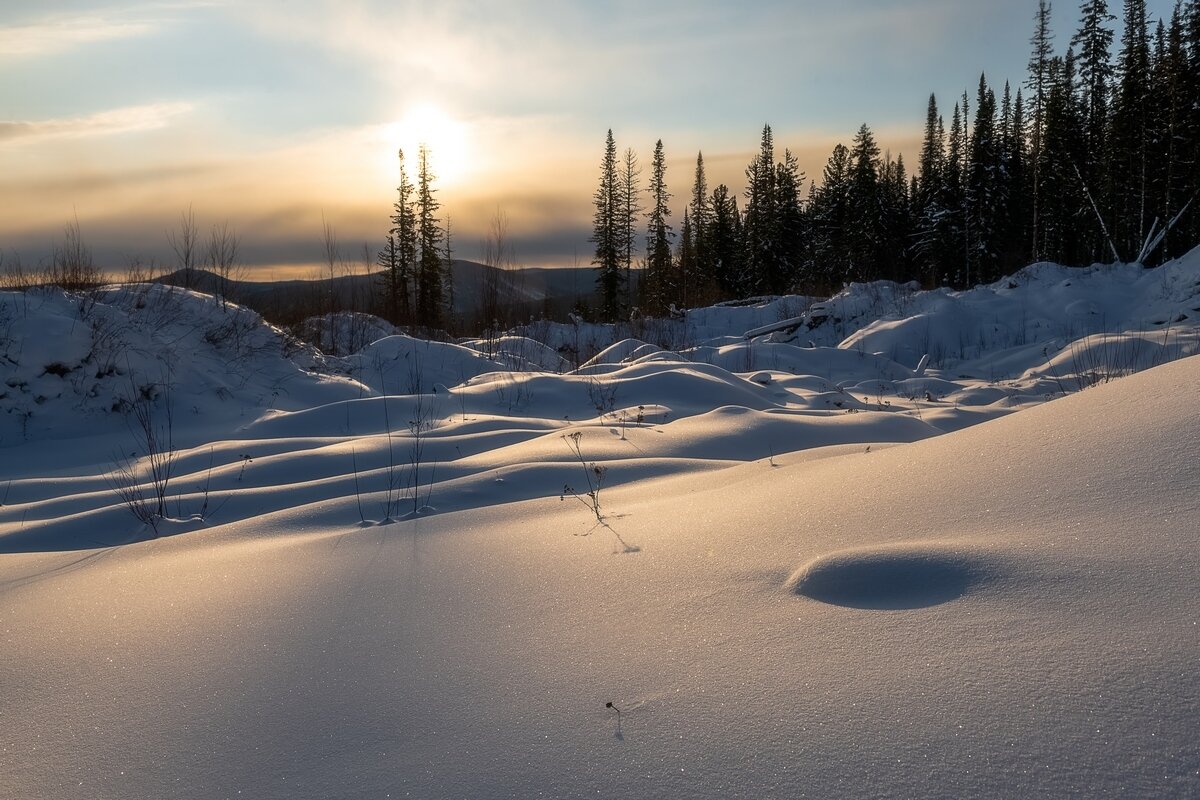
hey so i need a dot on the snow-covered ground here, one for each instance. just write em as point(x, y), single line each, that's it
point(806, 571)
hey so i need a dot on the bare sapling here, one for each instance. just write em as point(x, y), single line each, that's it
point(419, 426)
point(594, 474)
point(395, 479)
point(357, 490)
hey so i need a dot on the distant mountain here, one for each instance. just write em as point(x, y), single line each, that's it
point(552, 291)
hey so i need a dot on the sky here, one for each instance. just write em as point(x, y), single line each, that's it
point(278, 116)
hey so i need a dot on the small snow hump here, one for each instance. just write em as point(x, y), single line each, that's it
point(890, 578)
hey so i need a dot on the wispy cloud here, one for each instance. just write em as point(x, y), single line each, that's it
point(119, 120)
point(57, 34)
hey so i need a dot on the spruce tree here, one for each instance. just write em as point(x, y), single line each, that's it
point(685, 264)
point(760, 220)
point(1015, 235)
point(933, 154)
point(1171, 122)
point(829, 215)
point(630, 209)
point(865, 228)
point(725, 244)
point(983, 187)
point(1005, 188)
point(1093, 43)
point(950, 226)
point(790, 224)
point(927, 196)
point(658, 237)
point(430, 294)
point(606, 233)
point(448, 271)
point(387, 259)
point(1063, 214)
point(896, 218)
point(1039, 86)
point(399, 255)
point(1128, 139)
point(1189, 229)
point(700, 275)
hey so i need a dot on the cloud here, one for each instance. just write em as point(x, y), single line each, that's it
point(120, 120)
point(56, 34)
point(61, 32)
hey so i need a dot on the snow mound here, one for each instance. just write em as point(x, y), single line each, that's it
point(835, 364)
point(1047, 305)
point(405, 365)
point(345, 332)
point(519, 353)
point(891, 578)
point(71, 363)
point(619, 352)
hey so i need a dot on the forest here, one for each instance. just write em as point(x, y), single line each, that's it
point(1094, 158)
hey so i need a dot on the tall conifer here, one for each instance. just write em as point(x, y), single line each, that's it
point(429, 238)
point(658, 236)
point(606, 233)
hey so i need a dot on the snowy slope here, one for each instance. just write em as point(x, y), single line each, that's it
point(69, 363)
point(1008, 610)
point(814, 573)
point(992, 332)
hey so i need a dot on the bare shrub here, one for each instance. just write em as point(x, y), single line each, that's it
point(13, 276)
point(221, 257)
point(72, 266)
point(143, 481)
point(602, 394)
point(139, 270)
point(184, 240)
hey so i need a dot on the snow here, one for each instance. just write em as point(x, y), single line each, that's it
point(345, 332)
point(813, 572)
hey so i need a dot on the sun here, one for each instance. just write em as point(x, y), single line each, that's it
point(446, 138)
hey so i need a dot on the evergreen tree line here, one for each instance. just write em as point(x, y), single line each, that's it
point(1091, 160)
point(417, 282)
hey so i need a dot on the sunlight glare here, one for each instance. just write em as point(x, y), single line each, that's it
point(447, 139)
